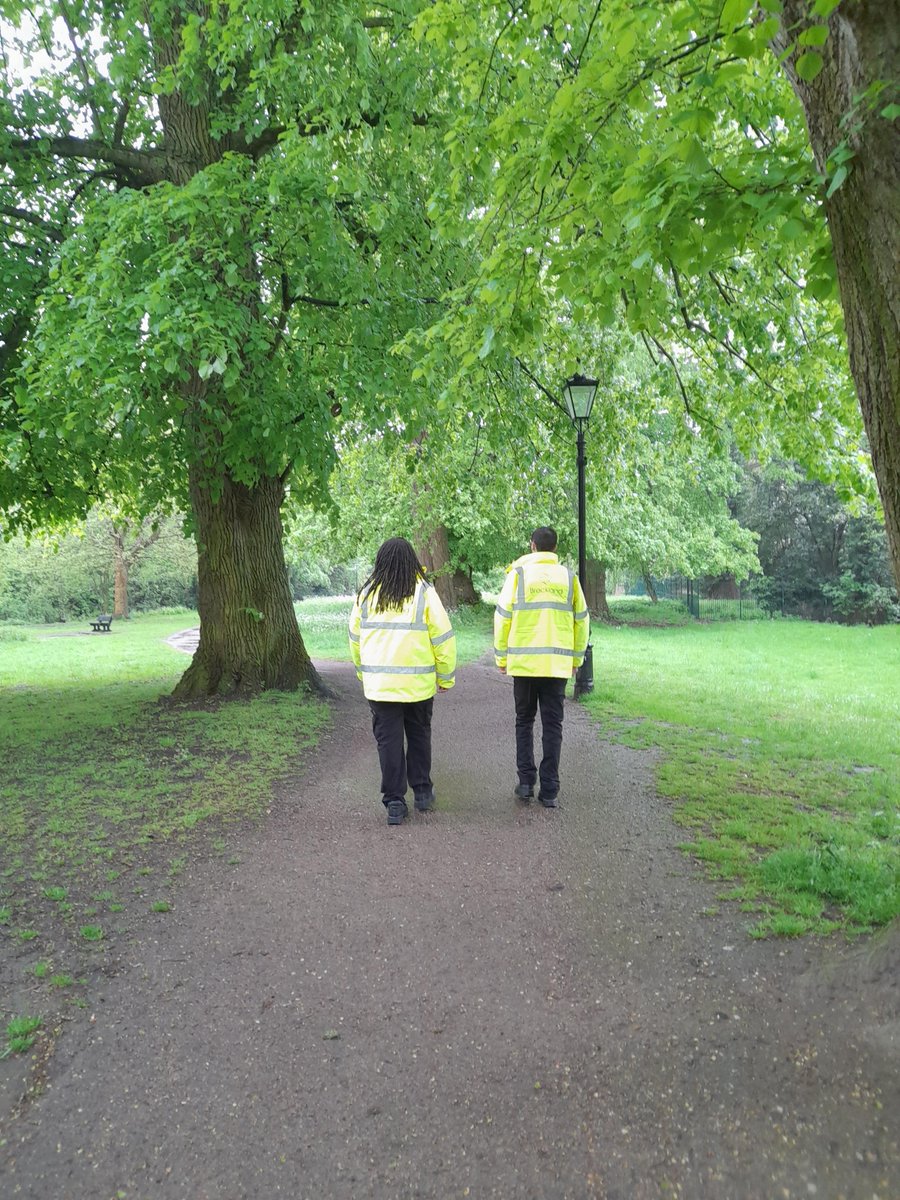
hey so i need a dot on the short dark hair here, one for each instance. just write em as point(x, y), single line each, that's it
point(544, 538)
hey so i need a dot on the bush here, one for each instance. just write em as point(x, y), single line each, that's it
point(640, 610)
point(471, 615)
point(170, 610)
point(859, 602)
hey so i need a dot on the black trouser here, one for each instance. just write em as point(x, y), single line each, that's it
point(529, 691)
point(392, 719)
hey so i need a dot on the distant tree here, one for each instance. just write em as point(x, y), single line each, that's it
point(817, 556)
point(78, 574)
point(126, 540)
point(464, 505)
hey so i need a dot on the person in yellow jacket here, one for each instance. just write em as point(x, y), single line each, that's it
point(404, 650)
point(541, 631)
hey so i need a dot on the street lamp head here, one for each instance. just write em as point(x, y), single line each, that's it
point(578, 393)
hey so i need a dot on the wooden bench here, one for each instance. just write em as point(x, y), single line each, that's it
point(102, 624)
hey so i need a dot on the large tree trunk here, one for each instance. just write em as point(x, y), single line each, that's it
point(863, 213)
point(594, 585)
point(120, 576)
point(249, 638)
point(452, 585)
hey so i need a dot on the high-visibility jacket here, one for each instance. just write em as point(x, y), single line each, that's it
point(403, 654)
point(541, 623)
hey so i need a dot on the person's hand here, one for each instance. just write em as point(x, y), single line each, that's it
point(502, 670)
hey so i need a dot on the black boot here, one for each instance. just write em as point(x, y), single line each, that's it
point(396, 811)
point(425, 801)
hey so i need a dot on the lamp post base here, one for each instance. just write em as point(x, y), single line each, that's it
point(584, 676)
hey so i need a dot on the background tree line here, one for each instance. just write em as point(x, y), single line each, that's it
point(804, 550)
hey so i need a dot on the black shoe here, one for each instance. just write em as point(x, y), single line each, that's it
point(425, 801)
point(547, 801)
point(525, 791)
point(397, 811)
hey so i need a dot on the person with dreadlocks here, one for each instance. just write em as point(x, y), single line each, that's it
point(404, 650)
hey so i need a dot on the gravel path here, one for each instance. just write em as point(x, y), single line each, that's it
point(489, 1001)
point(187, 640)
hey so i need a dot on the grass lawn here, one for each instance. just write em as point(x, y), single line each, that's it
point(781, 754)
point(640, 610)
point(94, 770)
point(323, 624)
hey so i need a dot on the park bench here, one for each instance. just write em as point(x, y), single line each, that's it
point(102, 624)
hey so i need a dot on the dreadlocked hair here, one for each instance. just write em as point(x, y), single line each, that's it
point(396, 572)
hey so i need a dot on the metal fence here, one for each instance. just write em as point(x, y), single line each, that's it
point(715, 599)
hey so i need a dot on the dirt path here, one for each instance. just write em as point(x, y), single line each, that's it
point(490, 1001)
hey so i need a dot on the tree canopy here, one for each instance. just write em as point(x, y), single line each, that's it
point(238, 235)
point(650, 165)
point(247, 239)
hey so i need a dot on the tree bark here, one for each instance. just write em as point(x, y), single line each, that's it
point(120, 576)
point(648, 586)
point(594, 585)
point(452, 585)
point(723, 587)
point(863, 214)
point(249, 638)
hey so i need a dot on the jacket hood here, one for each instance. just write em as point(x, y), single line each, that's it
point(534, 556)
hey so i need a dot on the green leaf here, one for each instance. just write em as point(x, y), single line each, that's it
point(792, 229)
point(809, 65)
point(824, 8)
point(816, 35)
point(837, 179)
point(891, 113)
point(487, 343)
point(735, 12)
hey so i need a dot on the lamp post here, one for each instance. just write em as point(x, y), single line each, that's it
point(578, 393)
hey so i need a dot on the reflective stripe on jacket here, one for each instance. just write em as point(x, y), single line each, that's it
point(541, 623)
point(403, 654)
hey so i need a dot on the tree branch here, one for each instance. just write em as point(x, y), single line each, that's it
point(82, 67)
point(121, 118)
point(145, 165)
point(310, 126)
point(671, 361)
point(514, 12)
point(587, 37)
point(20, 214)
point(537, 383)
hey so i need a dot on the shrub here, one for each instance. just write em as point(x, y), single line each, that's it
point(858, 601)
